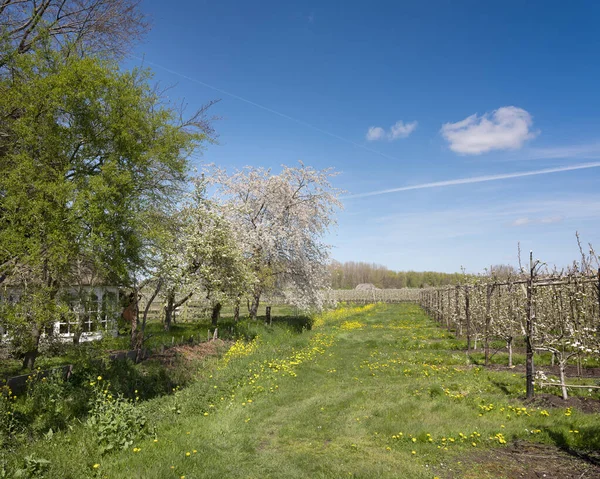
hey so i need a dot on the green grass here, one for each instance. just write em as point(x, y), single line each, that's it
point(365, 394)
point(188, 326)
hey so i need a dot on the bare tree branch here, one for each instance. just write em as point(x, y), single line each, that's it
point(106, 27)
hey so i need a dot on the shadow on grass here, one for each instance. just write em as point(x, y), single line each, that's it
point(295, 323)
point(503, 387)
point(52, 403)
point(589, 438)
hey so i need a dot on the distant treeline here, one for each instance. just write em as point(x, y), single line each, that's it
point(350, 274)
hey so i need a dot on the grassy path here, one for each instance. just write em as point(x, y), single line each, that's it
point(365, 394)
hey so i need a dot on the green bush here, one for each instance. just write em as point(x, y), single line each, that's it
point(115, 420)
point(7, 416)
point(47, 403)
point(33, 468)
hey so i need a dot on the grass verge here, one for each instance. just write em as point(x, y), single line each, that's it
point(351, 398)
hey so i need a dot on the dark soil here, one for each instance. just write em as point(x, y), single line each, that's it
point(588, 405)
point(523, 460)
point(191, 352)
point(584, 404)
point(570, 371)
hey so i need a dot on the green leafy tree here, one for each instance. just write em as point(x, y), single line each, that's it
point(87, 152)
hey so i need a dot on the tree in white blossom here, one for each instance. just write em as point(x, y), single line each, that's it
point(566, 323)
point(202, 256)
point(281, 220)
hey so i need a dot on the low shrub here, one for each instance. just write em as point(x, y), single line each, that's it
point(115, 420)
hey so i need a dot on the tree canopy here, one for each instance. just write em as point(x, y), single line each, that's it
point(281, 220)
point(351, 273)
point(105, 27)
point(87, 152)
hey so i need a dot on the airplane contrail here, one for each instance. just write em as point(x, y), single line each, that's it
point(476, 179)
point(266, 108)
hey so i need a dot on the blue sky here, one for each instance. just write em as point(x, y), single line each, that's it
point(398, 94)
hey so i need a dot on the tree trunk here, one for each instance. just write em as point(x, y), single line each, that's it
point(147, 308)
point(31, 355)
point(561, 366)
point(216, 314)
point(236, 308)
point(509, 342)
point(172, 306)
point(135, 334)
point(529, 331)
point(169, 309)
point(254, 306)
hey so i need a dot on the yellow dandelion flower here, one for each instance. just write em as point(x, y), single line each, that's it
point(96, 466)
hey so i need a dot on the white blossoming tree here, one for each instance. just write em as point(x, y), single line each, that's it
point(202, 256)
point(281, 220)
point(566, 324)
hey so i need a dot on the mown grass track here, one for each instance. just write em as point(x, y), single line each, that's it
point(361, 395)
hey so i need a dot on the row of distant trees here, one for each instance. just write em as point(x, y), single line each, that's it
point(350, 274)
point(96, 186)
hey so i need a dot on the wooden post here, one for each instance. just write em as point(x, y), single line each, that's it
point(468, 319)
point(511, 316)
point(448, 308)
point(529, 330)
point(268, 315)
point(599, 300)
point(488, 320)
point(457, 328)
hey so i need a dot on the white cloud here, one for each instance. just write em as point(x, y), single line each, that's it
point(541, 221)
point(521, 221)
point(401, 129)
point(375, 133)
point(551, 219)
point(398, 130)
point(506, 128)
point(586, 151)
